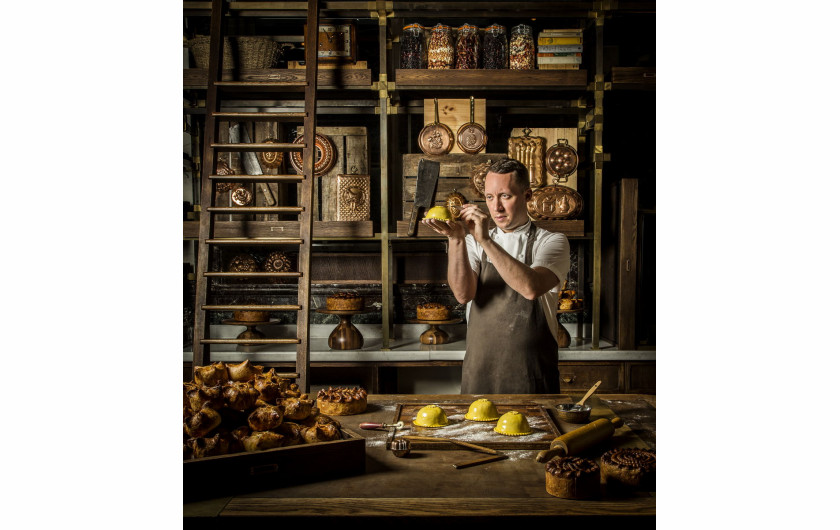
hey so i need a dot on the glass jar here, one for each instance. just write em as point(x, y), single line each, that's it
point(495, 56)
point(468, 48)
point(441, 50)
point(521, 48)
point(412, 47)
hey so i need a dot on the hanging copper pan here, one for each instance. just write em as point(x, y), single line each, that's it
point(561, 160)
point(324, 156)
point(472, 137)
point(436, 138)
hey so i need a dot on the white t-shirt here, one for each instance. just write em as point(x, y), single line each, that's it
point(551, 250)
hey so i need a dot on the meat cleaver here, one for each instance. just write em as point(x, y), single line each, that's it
point(424, 195)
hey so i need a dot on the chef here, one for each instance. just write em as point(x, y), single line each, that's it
point(508, 273)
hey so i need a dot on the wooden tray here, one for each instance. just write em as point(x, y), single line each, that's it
point(542, 422)
point(297, 464)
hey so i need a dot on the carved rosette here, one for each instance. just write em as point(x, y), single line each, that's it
point(555, 202)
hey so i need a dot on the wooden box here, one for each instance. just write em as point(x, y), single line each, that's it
point(454, 113)
point(297, 464)
point(352, 157)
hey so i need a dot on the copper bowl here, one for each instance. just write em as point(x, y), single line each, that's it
point(580, 415)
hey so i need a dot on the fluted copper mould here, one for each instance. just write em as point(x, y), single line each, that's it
point(271, 159)
point(472, 137)
point(436, 138)
point(530, 150)
point(242, 263)
point(224, 169)
point(561, 160)
point(454, 202)
point(555, 202)
point(241, 197)
point(325, 155)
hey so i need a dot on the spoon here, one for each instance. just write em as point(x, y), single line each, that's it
point(579, 404)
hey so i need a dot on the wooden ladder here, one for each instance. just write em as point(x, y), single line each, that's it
point(216, 90)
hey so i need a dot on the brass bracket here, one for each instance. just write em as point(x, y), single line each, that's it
point(381, 10)
point(383, 86)
point(389, 107)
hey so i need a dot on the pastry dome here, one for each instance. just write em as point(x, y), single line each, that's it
point(482, 410)
point(431, 416)
point(513, 423)
point(441, 213)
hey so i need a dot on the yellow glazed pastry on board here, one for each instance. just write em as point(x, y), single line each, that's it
point(431, 416)
point(482, 410)
point(513, 423)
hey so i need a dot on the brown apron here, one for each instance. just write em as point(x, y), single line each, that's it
point(510, 348)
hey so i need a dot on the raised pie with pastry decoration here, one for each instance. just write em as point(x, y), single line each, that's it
point(345, 301)
point(342, 401)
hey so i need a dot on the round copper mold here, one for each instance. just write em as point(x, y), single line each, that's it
point(561, 159)
point(242, 263)
point(241, 197)
point(324, 155)
point(271, 159)
point(223, 169)
point(471, 136)
point(454, 202)
point(436, 138)
point(555, 202)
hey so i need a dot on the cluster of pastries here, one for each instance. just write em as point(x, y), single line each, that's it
point(342, 401)
point(567, 299)
point(230, 408)
point(627, 469)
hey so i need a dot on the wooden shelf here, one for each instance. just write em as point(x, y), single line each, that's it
point(633, 77)
point(282, 228)
point(490, 79)
point(277, 79)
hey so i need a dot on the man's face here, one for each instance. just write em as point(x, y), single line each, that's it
point(506, 202)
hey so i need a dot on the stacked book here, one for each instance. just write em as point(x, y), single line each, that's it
point(560, 49)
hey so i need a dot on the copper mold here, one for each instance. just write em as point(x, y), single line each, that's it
point(353, 197)
point(555, 202)
point(472, 137)
point(436, 138)
point(325, 155)
point(271, 159)
point(530, 150)
point(561, 160)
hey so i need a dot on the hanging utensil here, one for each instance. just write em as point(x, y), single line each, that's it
point(436, 138)
point(472, 137)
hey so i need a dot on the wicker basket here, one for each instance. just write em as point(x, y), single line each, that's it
point(200, 48)
point(256, 52)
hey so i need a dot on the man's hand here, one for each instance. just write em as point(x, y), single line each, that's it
point(477, 222)
point(453, 229)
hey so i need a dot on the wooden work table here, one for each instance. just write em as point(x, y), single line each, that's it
point(425, 487)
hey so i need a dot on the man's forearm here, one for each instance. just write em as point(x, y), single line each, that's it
point(461, 277)
point(521, 278)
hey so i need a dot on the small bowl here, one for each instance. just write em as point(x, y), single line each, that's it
point(573, 416)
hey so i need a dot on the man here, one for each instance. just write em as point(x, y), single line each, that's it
point(508, 274)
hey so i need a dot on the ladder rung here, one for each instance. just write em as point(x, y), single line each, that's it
point(259, 147)
point(250, 341)
point(254, 274)
point(260, 116)
point(257, 178)
point(254, 241)
point(255, 209)
point(251, 307)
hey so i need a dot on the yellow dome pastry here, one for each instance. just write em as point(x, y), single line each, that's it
point(482, 410)
point(441, 213)
point(513, 423)
point(431, 416)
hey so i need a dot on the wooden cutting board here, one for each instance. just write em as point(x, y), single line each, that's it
point(544, 425)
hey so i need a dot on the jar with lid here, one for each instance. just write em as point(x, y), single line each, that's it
point(521, 48)
point(468, 48)
point(495, 54)
point(441, 50)
point(412, 47)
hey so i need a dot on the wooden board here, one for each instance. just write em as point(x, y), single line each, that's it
point(454, 113)
point(551, 135)
point(283, 229)
point(543, 424)
point(301, 65)
point(227, 474)
point(336, 77)
point(524, 79)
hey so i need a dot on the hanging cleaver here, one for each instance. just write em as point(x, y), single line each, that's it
point(424, 195)
point(249, 160)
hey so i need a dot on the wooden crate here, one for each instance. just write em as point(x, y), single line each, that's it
point(239, 472)
point(352, 156)
point(453, 113)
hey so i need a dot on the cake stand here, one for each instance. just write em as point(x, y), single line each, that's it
point(345, 336)
point(433, 335)
point(563, 337)
point(250, 329)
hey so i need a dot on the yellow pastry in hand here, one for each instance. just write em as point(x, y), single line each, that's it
point(441, 213)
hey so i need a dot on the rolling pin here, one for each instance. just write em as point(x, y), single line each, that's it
point(580, 439)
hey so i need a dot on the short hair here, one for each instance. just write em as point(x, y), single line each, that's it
point(510, 165)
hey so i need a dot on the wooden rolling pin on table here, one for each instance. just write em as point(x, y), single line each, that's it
point(579, 440)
